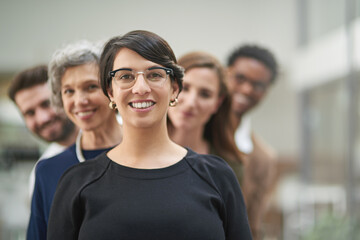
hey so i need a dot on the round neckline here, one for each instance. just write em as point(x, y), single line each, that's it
point(80, 153)
point(144, 173)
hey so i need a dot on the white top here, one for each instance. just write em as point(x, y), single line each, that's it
point(243, 136)
point(52, 150)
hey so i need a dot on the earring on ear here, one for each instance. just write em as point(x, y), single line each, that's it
point(112, 105)
point(173, 103)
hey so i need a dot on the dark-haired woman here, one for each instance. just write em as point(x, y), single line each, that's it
point(147, 187)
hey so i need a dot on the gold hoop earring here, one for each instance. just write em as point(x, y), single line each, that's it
point(112, 105)
point(173, 103)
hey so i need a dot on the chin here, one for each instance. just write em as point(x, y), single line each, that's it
point(240, 110)
point(181, 125)
point(50, 138)
point(87, 127)
point(239, 113)
point(142, 124)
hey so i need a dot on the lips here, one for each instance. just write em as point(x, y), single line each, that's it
point(241, 99)
point(84, 114)
point(187, 114)
point(141, 104)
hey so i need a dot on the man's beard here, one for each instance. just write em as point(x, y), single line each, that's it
point(68, 129)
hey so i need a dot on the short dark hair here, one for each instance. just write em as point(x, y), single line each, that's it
point(28, 78)
point(148, 45)
point(256, 52)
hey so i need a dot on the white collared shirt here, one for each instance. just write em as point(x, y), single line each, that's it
point(243, 136)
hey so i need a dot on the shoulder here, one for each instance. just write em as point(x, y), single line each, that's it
point(263, 159)
point(260, 170)
point(52, 150)
point(263, 148)
point(68, 155)
point(212, 168)
point(75, 179)
point(85, 172)
point(206, 161)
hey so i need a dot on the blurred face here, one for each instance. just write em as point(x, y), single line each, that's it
point(83, 100)
point(142, 105)
point(248, 82)
point(198, 100)
point(40, 117)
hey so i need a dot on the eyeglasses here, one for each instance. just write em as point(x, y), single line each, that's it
point(258, 86)
point(126, 77)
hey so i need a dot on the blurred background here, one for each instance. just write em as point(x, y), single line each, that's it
point(310, 116)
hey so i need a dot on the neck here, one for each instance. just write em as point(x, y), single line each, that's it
point(146, 148)
point(192, 138)
point(108, 135)
point(70, 139)
point(140, 141)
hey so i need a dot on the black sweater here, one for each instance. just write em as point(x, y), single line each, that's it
point(197, 198)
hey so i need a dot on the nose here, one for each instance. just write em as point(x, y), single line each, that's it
point(189, 99)
point(141, 87)
point(81, 98)
point(246, 88)
point(43, 116)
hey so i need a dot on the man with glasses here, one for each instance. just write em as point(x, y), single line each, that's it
point(251, 72)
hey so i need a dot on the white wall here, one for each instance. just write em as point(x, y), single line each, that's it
point(30, 31)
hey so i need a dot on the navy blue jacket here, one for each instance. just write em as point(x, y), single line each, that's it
point(47, 175)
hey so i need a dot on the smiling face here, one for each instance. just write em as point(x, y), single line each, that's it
point(198, 100)
point(39, 116)
point(248, 82)
point(84, 102)
point(141, 105)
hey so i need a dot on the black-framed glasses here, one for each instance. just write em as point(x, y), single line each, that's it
point(258, 86)
point(126, 77)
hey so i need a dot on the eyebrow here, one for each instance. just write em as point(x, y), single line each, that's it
point(254, 80)
point(130, 69)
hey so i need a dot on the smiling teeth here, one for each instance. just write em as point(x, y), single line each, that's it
point(82, 114)
point(239, 98)
point(142, 104)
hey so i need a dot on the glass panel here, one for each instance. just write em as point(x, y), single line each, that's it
point(324, 16)
point(18, 152)
point(357, 6)
point(327, 105)
point(357, 153)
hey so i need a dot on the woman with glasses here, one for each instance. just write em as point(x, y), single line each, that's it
point(74, 80)
point(147, 187)
point(201, 120)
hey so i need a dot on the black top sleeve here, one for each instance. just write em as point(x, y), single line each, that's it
point(67, 211)
point(220, 175)
point(203, 184)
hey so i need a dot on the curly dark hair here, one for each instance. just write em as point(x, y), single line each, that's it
point(256, 52)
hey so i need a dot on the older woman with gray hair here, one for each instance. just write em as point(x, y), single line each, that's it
point(74, 81)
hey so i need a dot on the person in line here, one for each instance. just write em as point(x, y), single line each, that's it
point(31, 94)
point(251, 71)
point(147, 187)
point(201, 120)
point(74, 80)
